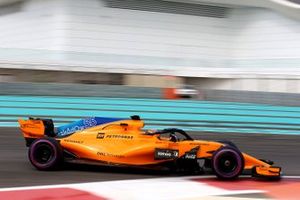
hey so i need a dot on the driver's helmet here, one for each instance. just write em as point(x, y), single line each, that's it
point(173, 138)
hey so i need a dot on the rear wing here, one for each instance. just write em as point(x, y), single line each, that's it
point(33, 128)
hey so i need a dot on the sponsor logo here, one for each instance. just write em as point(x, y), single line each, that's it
point(110, 155)
point(160, 154)
point(100, 135)
point(29, 126)
point(128, 137)
point(71, 130)
point(190, 156)
point(199, 143)
point(73, 141)
point(77, 126)
point(89, 122)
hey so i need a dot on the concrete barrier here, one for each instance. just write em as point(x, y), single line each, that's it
point(273, 98)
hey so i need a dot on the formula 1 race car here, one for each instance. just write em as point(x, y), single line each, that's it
point(122, 142)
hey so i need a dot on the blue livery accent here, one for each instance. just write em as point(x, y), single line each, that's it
point(83, 124)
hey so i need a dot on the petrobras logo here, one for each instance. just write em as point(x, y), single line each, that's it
point(89, 122)
point(100, 135)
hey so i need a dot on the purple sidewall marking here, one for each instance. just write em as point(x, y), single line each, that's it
point(31, 155)
point(237, 157)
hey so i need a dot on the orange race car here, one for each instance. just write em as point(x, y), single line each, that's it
point(122, 142)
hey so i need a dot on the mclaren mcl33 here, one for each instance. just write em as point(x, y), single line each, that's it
point(123, 142)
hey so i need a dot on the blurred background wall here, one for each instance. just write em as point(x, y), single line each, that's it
point(214, 45)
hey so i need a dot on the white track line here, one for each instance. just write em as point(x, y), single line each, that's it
point(121, 181)
point(156, 188)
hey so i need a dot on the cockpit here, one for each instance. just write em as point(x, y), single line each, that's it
point(170, 134)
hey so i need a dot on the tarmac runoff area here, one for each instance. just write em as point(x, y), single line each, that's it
point(94, 182)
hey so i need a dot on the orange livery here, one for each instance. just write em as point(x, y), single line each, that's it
point(124, 142)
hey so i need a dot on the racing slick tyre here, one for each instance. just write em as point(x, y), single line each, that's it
point(207, 162)
point(227, 163)
point(45, 154)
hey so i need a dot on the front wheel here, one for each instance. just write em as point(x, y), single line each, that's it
point(227, 163)
point(45, 154)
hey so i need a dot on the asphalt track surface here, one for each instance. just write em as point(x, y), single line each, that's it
point(16, 170)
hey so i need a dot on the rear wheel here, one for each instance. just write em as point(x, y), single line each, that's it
point(45, 154)
point(227, 163)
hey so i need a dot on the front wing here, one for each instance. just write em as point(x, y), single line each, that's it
point(260, 168)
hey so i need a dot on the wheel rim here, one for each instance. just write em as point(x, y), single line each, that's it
point(227, 163)
point(43, 154)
